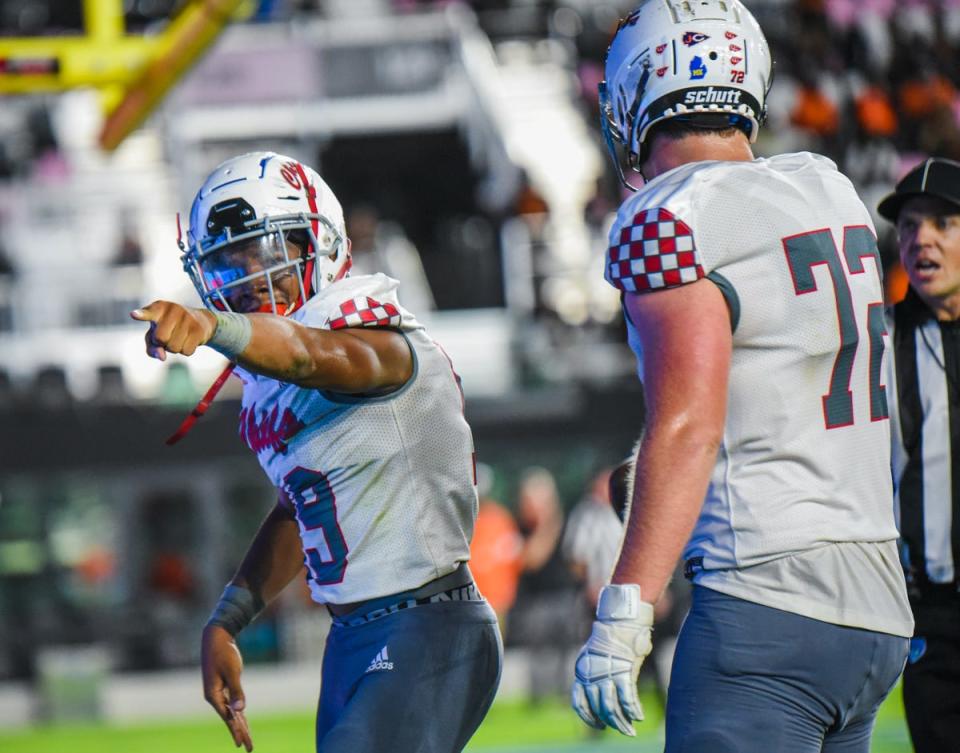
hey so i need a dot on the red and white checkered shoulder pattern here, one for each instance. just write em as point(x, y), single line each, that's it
point(364, 311)
point(655, 250)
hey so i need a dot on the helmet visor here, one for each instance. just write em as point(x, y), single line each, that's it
point(259, 273)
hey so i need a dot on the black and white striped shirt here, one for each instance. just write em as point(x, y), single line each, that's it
point(925, 428)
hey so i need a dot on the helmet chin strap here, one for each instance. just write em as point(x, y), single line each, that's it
point(202, 406)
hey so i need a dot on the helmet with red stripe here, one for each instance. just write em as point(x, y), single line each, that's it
point(266, 234)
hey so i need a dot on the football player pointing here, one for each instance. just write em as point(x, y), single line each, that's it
point(751, 290)
point(356, 415)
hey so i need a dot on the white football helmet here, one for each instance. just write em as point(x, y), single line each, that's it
point(672, 59)
point(240, 224)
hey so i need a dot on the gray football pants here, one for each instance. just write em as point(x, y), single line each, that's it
point(752, 679)
point(418, 680)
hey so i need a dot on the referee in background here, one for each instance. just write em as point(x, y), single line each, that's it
point(924, 382)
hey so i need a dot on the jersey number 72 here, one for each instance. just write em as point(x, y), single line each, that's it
point(804, 252)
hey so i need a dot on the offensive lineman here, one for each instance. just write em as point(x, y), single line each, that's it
point(356, 416)
point(751, 290)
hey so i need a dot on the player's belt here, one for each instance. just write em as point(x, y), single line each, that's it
point(457, 586)
point(691, 567)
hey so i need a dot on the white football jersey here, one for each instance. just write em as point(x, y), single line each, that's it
point(805, 454)
point(383, 487)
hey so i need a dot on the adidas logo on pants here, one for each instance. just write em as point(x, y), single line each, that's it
point(380, 661)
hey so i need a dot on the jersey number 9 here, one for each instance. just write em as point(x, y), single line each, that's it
point(325, 549)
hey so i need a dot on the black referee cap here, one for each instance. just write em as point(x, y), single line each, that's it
point(934, 177)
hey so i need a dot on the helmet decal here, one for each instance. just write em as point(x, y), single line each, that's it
point(291, 174)
point(691, 38)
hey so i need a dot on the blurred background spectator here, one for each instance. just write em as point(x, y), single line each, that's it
point(591, 541)
point(379, 246)
point(546, 619)
point(496, 551)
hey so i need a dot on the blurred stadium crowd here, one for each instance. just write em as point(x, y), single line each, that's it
point(103, 537)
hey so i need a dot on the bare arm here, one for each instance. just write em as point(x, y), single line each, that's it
point(687, 344)
point(351, 360)
point(274, 557)
point(271, 562)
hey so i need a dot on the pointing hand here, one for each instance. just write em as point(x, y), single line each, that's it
point(175, 328)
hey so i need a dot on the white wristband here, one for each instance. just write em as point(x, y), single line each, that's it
point(623, 602)
point(232, 334)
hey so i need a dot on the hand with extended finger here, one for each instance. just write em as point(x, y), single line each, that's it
point(221, 664)
point(605, 687)
point(175, 328)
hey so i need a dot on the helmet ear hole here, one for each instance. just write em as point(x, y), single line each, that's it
point(301, 240)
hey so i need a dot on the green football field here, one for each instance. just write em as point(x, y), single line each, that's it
point(512, 726)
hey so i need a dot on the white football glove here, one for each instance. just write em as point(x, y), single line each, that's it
point(605, 687)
